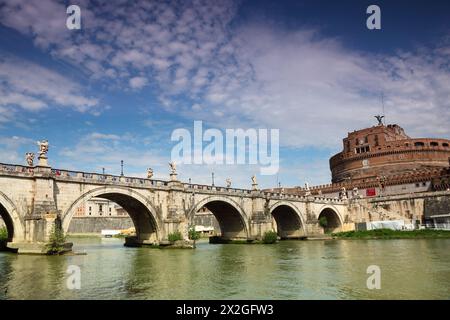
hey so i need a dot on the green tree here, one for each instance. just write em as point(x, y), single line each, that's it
point(3, 234)
point(323, 222)
point(56, 241)
point(193, 235)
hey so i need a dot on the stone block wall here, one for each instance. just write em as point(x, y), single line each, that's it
point(436, 206)
point(97, 224)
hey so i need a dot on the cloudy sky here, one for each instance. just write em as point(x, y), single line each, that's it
point(136, 71)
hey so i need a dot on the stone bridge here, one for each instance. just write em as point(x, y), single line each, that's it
point(34, 198)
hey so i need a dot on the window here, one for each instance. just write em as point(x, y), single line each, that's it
point(376, 140)
point(417, 185)
point(445, 144)
point(419, 144)
point(434, 144)
point(362, 149)
point(100, 208)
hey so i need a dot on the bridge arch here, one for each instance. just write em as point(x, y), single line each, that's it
point(333, 219)
point(10, 216)
point(289, 220)
point(230, 215)
point(139, 208)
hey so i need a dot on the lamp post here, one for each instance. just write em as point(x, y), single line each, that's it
point(212, 177)
point(121, 168)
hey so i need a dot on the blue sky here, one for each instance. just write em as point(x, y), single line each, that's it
point(136, 71)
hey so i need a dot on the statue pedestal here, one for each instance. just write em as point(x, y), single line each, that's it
point(43, 161)
point(173, 176)
point(254, 186)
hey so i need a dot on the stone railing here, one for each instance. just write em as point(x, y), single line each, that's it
point(203, 187)
point(98, 178)
point(106, 178)
point(16, 169)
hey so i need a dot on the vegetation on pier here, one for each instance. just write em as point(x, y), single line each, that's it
point(175, 236)
point(393, 234)
point(56, 242)
point(194, 235)
point(270, 237)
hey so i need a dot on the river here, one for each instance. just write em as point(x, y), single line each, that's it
point(333, 269)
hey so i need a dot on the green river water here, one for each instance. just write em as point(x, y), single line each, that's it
point(333, 269)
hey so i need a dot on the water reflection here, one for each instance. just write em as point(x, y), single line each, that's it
point(410, 269)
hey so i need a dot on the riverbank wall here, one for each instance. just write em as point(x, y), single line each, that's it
point(414, 208)
point(84, 225)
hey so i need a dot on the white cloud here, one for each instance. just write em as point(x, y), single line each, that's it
point(138, 82)
point(33, 87)
point(96, 150)
point(313, 88)
point(10, 148)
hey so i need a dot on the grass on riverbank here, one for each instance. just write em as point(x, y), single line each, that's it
point(393, 234)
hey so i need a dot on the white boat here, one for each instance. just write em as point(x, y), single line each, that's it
point(110, 233)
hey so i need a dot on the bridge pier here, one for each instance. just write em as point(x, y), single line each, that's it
point(258, 227)
point(43, 218)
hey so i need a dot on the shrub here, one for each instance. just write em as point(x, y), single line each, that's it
point(56, 241)
point(270, 237)
point(323, 222)
point(175, 236)
point(3, 234)
point(193, 235)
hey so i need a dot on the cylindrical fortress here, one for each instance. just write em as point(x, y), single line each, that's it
point(386, 150)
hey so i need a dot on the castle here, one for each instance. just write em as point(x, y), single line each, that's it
point(384, 160)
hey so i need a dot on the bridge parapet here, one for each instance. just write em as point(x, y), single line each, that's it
point(137, 182)
point(201, 187)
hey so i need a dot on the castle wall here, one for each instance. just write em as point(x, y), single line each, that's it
point(386, 150)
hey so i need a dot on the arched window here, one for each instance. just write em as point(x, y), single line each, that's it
point(419, 144)
point(434, 144)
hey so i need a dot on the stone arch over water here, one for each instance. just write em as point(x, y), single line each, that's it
point(289, 220)
point(138, 207)
point(231, 217)
point(10, 217)
point(333, 219)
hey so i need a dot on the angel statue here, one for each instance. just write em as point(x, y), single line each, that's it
point(254, 179)
point(29, 157)
point(149, 173)
point(43, 147)
point(173, 167)
point(380, 119)
point(228, 181)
